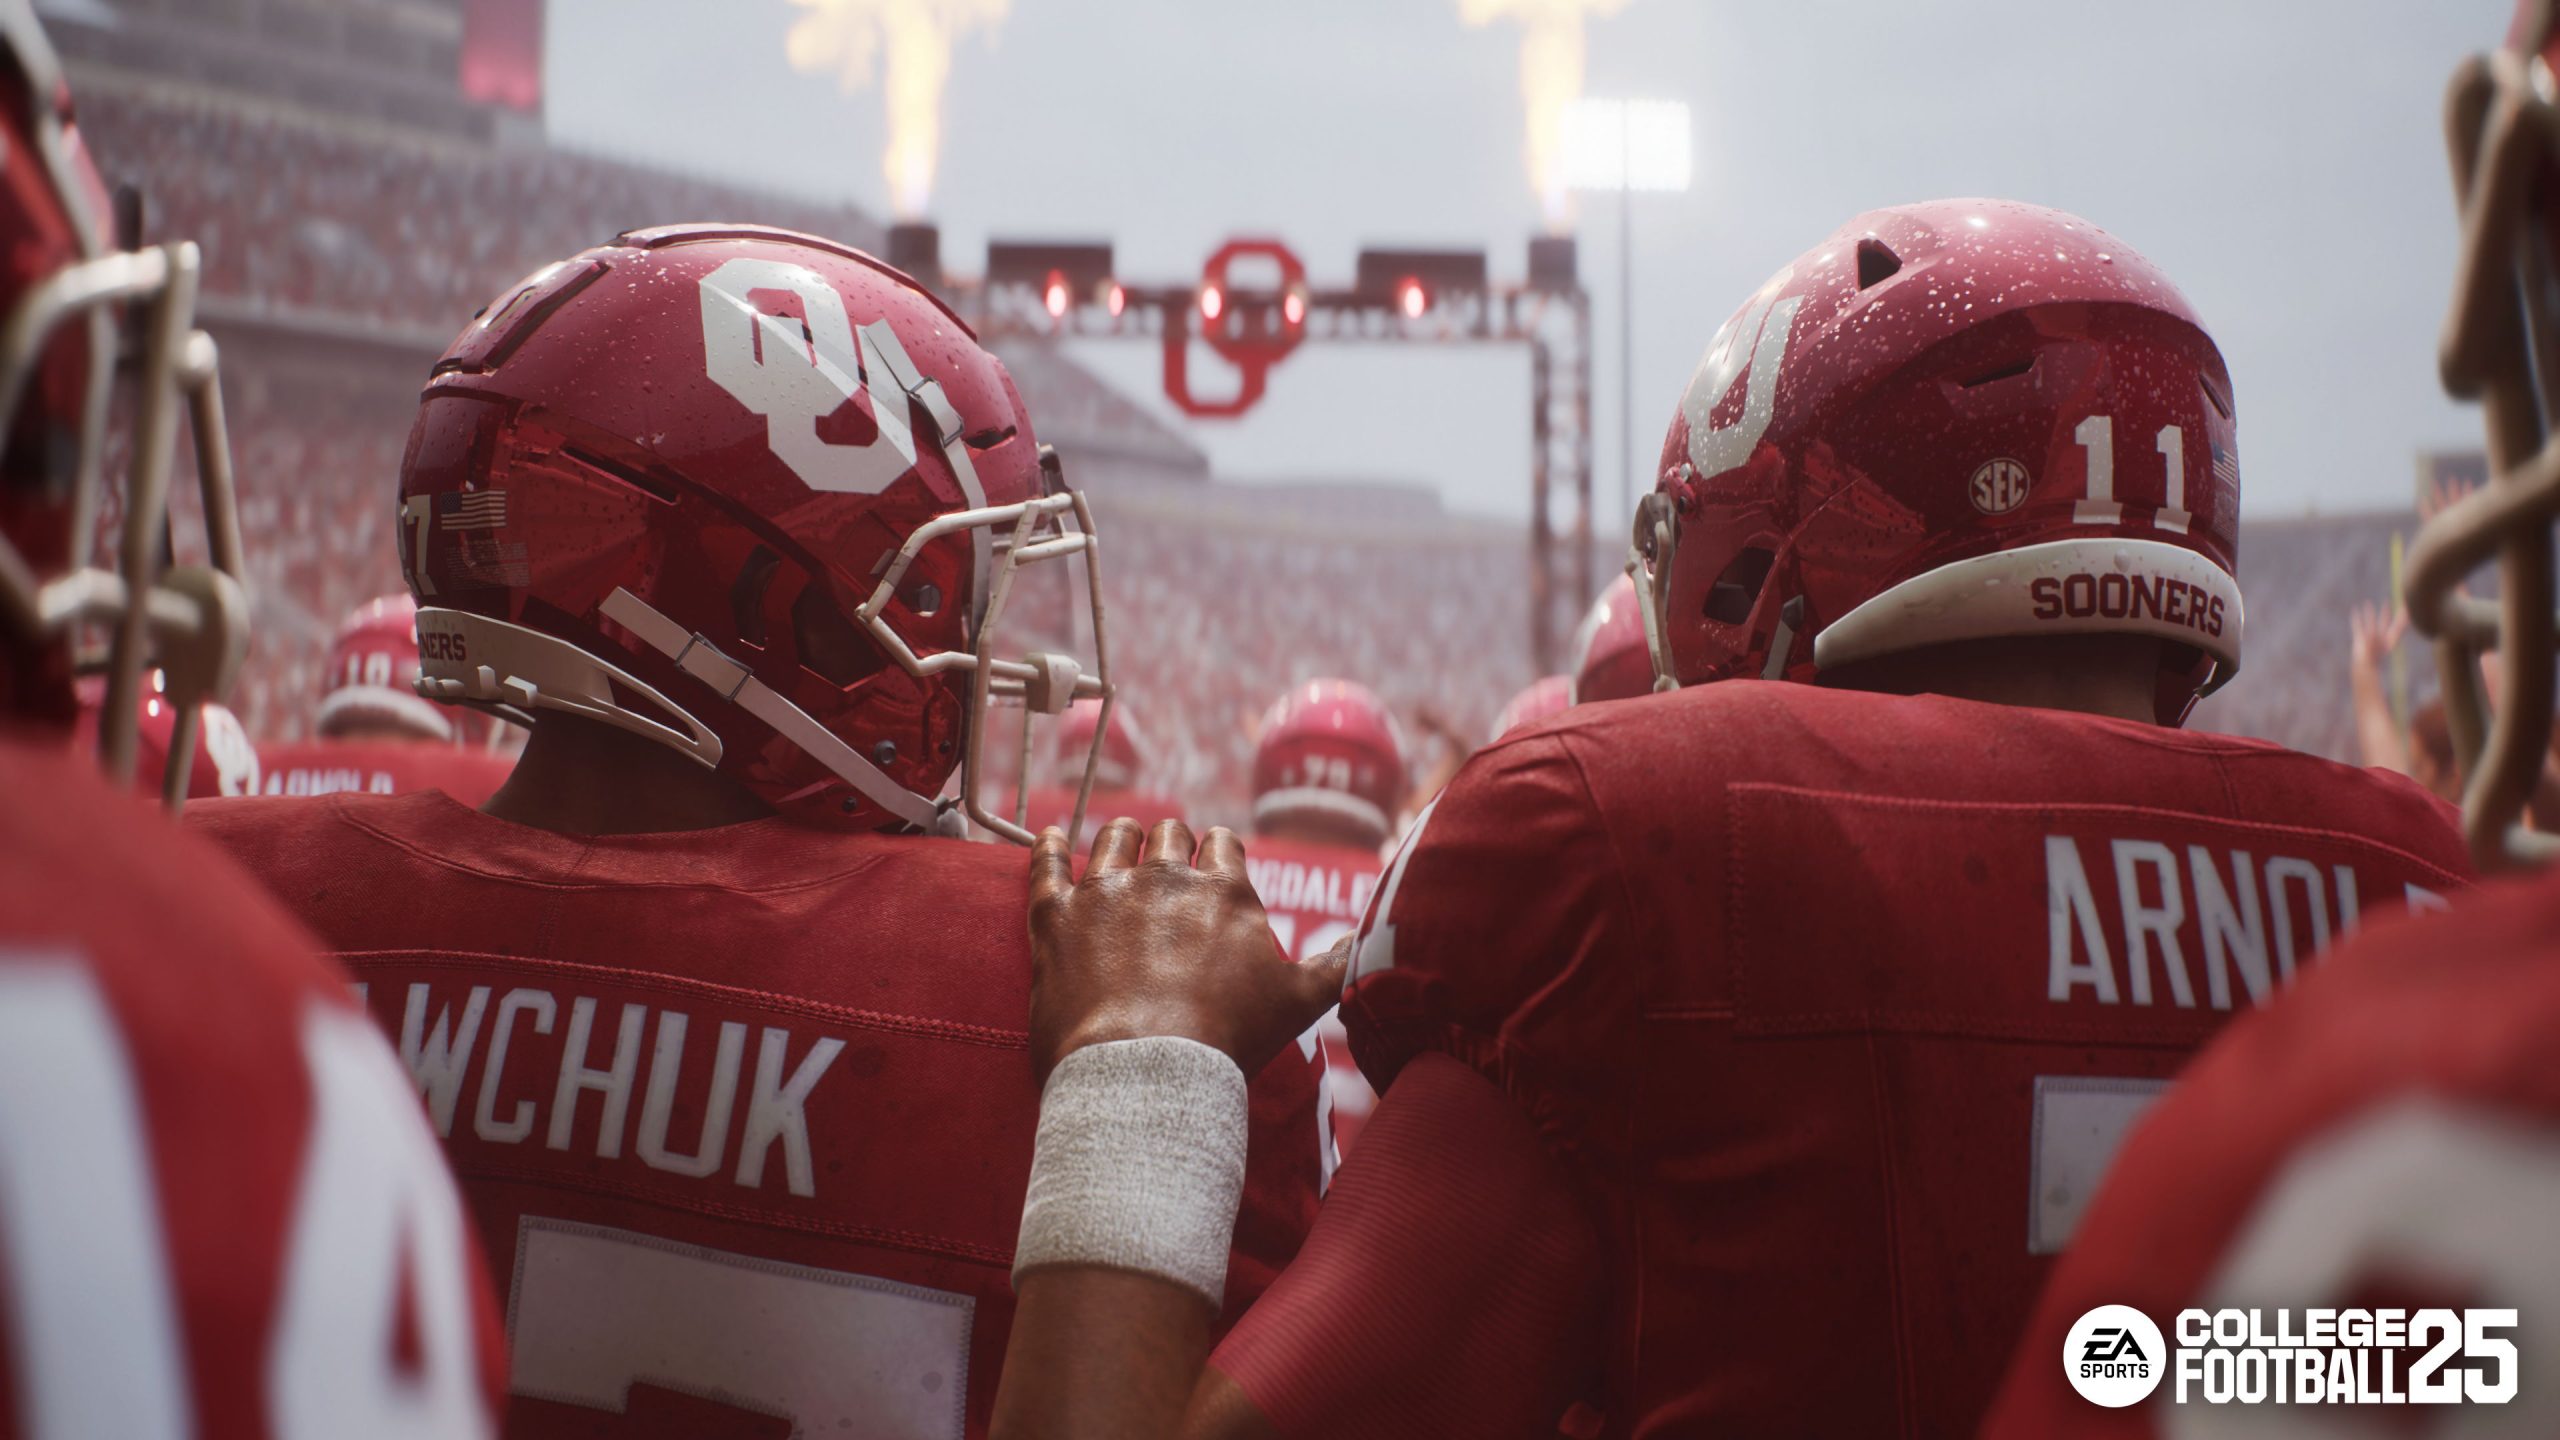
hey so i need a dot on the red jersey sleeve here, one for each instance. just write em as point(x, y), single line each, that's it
point(1450, 1287)
point(1491, 940)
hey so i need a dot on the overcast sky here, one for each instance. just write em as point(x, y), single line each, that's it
point(2282, 159)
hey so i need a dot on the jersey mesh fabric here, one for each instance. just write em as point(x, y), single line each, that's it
point(1778, 973)
point(798, 1054)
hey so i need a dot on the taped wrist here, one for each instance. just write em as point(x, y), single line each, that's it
point(1138, 1163)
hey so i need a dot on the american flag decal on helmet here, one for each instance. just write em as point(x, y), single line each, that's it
point(472, 510)
point(2226, 467)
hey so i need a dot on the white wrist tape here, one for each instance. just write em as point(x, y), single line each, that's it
point(1138, 1164)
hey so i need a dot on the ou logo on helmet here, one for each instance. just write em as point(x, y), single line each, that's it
point(1762, 325)
point(795, 377)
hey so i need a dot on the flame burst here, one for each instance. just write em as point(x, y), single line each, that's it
point(1550, 79)
point(911, 40)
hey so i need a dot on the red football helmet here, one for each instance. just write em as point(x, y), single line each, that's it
point(64, 285)
point(1949, 421)
point(1124, 756)
point(1552, 695)
point(221, 762)
point(752, 494)
point(373, 674)
point(1330, 747)
point(1609, 657)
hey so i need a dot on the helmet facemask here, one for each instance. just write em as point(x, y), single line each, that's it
point(190, 621)
point(2503, 131)
point(1040, 683)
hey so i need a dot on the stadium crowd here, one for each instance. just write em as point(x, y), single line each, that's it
point(387, 231)
point(381, 225)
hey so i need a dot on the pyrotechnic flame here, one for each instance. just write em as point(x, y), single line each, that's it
point(1550, 79)
point(912, 40)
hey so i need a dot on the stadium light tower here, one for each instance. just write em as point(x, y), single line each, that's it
point(1626, 146)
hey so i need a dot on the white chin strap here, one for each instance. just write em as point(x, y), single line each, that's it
point(510, 666)
point(702, 660)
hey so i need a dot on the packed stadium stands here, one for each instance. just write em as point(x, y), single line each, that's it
point(1217, 608)
point(344, 249)
point(2301, 576)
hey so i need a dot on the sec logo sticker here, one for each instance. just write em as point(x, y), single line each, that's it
point(1999, 486)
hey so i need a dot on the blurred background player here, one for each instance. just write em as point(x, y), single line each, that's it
point(723, 1038)
point(224, 761)
point(1328, 775)
point(1119, 776)
point(374, 733)
point(1728, 1016)
point(2388, 1135)
point(1609, 659)
point(1546, 696)
point(221, 1213)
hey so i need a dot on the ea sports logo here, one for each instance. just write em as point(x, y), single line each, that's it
point(1999, 486)
point(2115, 1356)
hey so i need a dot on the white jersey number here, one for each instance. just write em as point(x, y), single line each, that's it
point(595, 1310)
point(83, 1247)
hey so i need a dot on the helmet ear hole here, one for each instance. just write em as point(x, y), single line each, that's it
point(746, 597)
point(1737, 590)
point(830, 643)
point(1876, 263)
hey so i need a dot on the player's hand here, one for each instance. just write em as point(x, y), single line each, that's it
point(2442, 493)
point(2372, 633)
point(1148, 944)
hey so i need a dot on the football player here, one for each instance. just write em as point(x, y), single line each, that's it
point(2389, 1135)
point(724, 1042)
point(375, 733)
point(221, 1213)
point(1120, 774)
point(1551, 695)
point(224, 761)
point(1609, 658)
point(1328, 776)
point(1754, 1046)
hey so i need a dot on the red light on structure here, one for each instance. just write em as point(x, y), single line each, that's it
point(1293, 307)
point(1118, 300)
point(1213, 301)
point(1412, 299)
point(1056, 295)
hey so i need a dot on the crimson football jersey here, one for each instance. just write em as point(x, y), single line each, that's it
point(2391, 1130)
point(221, 1211)
point(744, 1114)
point(1836, 1004)
point(382, 767)
point(1313, 895)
